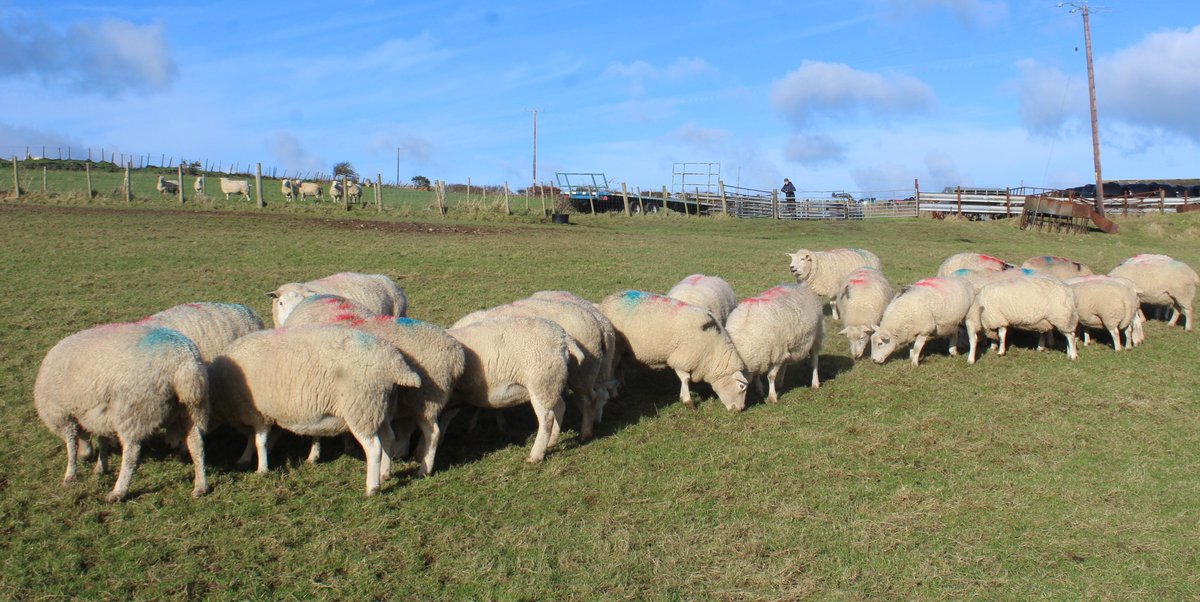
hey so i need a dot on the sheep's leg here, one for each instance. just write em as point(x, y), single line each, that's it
point(772, 376)
point(1041, 344)
point(954, 343)
point(71, 439)
point(1174, 317)
point(1003, 333)
point(915, 352)
point(1072, 352)
point(373, 450)
point(403, 429)
point(587, 408)
point(195, 445)
point(972, 344)
point(387, 440)
point(260, 444)
point(1187, 319)
point(431, 436)
point(685, 393)
point(314, 452)
point(559, 411)
point(833, 312)
point(1116, 337)
point(130, 450)
point(103, 447)
point(816, 364)
point(85, 447)
point(545, 418)
point(1087, 337)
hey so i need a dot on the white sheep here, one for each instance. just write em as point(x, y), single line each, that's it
point(288, 188)
point(240, 187)
point(777, 328)
point(1057, 267)
point(980, 278)
point(308, 189)
point(198, 185)
point(1109, 304)
point(926, 308)
point(125, 381)
point(1162, 280)
point(825, 271)
point(608, 377)
point(584, 329)
point(864, 295)
point(335, 190)
point(167, 186)
point(211, 326)
point(354, 192)
point(973, 261)
point(316, 380)
point(435, 356)
point(512, 361)
point(660, 332)
point(377, 292)
point(710, 292)
point(1036, 303)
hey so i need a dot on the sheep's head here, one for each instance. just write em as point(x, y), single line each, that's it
point(858, 336)
point(284, 301)
point(731, 389)
point(802, 264)
point(883, 343)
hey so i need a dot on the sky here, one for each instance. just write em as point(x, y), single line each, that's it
point(864, 96)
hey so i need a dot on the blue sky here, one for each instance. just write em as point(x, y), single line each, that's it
point(855, 95)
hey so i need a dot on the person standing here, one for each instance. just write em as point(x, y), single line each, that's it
point(789, 193)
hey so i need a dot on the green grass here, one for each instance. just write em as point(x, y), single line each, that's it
point(1020, 477)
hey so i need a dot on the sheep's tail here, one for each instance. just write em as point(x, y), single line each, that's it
point(574, 350)
point(191, 388)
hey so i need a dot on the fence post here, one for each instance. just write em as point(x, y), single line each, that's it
point(44, 189)
point(378, 191)
point(345, 196)
point(440, 193)
point(775, 204)
point(16, 180)
point(468, 189)
point(128, 193)
point(87, 167)
point(958, 200)
point(625, 197)
point(1162, 199)
point(507, 209)
point(258, 184)
point(724, 201)
point(180, 180)
point(1007, 200)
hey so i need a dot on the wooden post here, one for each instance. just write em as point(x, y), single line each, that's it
point(1125, 205)
point(87, 168)
point(258, 184)
point(378, 191)
point(345, 194)
point(180, 180)
point(507, 209)
point(542, 193)
point(1007, 201)
point(958, 200)
point(917, 195)
point(724, 201)
point(44, 180)
point(664, 204)
point(440, 193)
point(468, 189)
point(775, 204)
point(1162, 199)
point(592, 201)
point(128, 192)
point(625, 197)
point(16, 180)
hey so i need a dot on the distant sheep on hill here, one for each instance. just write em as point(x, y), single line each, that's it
point(166, 186)
point(240, 187)
point(308, 189)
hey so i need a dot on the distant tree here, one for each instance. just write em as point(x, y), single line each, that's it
point(344, 169)
point(421, 182)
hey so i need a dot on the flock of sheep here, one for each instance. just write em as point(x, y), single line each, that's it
point(291, 189)
point(344, 358)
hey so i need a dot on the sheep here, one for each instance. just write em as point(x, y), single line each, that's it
point(512, 361)
point(198, 185)
point(1109, 304)
point(317, 380)
point(124, 381)
point(288, 188)
point(435, 356)
point(1162, 280)
point(660, 332)
point(710, 292)
point(335, 190)
point(609, 362)
point(354, 193)
point(779, 327)
point(377, 292)
point(980, 278)
point(308, 189)
point(973, 261)
point(1038, 303)
point(926, 308)
point(863, 296)
point(1058, 267)
point(211, 326)
point(241, 187)
point(167, 186)
point(825, 271)
point(584, 329)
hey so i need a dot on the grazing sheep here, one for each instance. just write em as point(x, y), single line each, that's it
point(864, 295)
point(926, 308)
point(1037, 303)
point(435, 356)
point(308, 189)
point(660, 332)
point(778, 327)
point(1108, 304)
point(825, 271)
point(124, 381)
point(512, 361)
point(1057, 267)
point(211, 326)
point(973, 261)
point(981, 278)
point(377, 292)
point(313, 380)
point(1161, 280)
point(167, 186)
point(608, 363)
point(583, 328)
point(710, 292)
point(288, 188)
point(241, 187)
point(198, 185)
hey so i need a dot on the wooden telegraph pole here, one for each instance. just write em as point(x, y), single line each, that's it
point(1087, 45)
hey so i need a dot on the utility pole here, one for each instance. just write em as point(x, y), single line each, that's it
point(535, 112)
point(1087, 45)
point(397, 167)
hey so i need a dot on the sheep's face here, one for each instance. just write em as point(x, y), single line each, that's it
point(732, 391)
point(802, 264)
point(883, 343)
point(284, 302)
point(859, 337)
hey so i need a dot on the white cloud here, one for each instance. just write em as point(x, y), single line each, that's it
point(812, 149)
point(292, 155)
point(704, 138)
point(108, 56)
point(829, 89)
point(639, 73)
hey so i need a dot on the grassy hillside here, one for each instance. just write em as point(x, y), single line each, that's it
point(1021, 476)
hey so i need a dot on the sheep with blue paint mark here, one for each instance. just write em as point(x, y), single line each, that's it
point(1056, 267)
point(860, 303)
point(316, 380)
point(825, 271)
point(211, 326)
point(660, 332)
point(710, 292)
point(124, 381)
point(777, 328)
point(980, 278)
point(436, 357)
point(930, 307)
point(973, 261)
point(377, 292)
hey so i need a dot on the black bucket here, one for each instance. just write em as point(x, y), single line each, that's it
point(560, 218)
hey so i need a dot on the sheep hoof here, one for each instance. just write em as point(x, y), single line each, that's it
point(689, 404)
point(532, 460)
point(114, 497)
point(199, 491)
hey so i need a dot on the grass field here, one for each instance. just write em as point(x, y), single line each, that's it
point(1026, 476)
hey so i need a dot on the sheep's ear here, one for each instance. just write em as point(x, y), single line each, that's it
point(273, 294)
point(844, 331)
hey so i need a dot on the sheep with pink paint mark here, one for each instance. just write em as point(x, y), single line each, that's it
point(860, 303)
point(377, 292)
point(124, 381)
point(927, 308)
point(1162, 281)
point(211, 326)
point(1110, 304)
point(710, 292)
point(981, 278)
point(1057, 267)
point(825, 271)
point(1036, 303)
point(660, 332)
point(777, 328)
point(973, 261)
